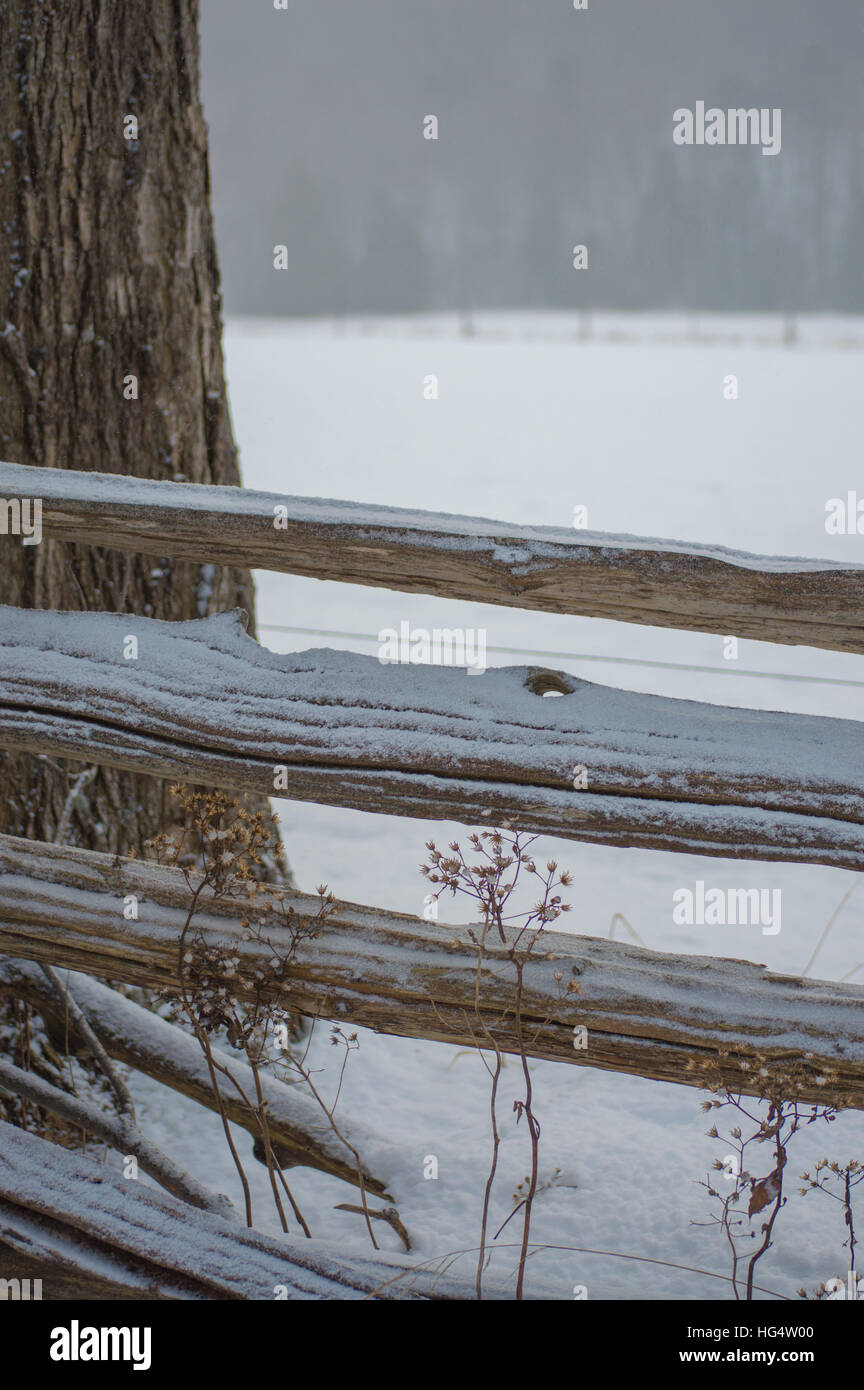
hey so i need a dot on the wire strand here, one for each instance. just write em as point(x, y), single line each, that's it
point(592, 656)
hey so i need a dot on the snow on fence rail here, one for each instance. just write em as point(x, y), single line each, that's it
point(669, 1017)
point(662, 583)
point(202, 702)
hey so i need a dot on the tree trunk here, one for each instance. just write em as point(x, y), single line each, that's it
point(107, 272)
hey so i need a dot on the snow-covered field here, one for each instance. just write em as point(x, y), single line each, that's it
point(531, 421)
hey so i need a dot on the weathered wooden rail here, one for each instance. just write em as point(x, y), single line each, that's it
point(557, 570)
point(203, 702)
point(670, 1017)
point(89, 1234)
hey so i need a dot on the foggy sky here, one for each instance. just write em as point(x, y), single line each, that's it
point(555, 128)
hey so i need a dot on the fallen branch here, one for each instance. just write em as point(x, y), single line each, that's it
point(388, 1214)
point(72, 1017)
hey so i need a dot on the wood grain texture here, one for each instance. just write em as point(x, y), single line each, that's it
point(817, 603)
point(203, 702)
point(654, 1014)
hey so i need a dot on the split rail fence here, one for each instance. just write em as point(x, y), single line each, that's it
point(204, 703)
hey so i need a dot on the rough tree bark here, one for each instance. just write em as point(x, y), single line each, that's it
point(107, 270)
